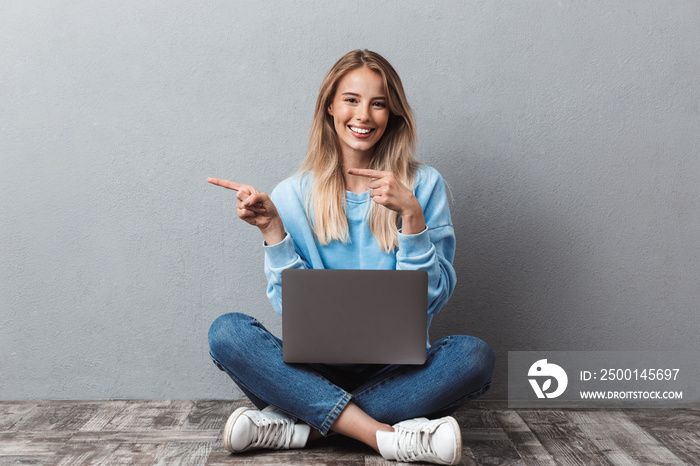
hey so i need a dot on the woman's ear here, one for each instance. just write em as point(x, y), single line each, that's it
point(330, 109)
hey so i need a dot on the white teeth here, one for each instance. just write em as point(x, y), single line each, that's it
point(359, 130)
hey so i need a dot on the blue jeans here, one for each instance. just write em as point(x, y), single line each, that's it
point(458, 368)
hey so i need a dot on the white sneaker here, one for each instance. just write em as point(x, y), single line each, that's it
point(248, 428)
point(437, 441)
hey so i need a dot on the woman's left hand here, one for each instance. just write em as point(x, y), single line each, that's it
point(388, 191)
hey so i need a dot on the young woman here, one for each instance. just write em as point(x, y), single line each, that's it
point(360, 201)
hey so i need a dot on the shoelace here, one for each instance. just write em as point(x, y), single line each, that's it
point(273, 432)
point(415, 444)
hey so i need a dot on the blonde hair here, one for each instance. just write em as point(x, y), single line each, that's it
point(394, 152)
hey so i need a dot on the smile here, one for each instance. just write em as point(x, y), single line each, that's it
point(357, 130)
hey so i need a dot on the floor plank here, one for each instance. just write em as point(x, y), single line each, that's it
point(664, 419)
point(622, 441)
point(31, 460)
point(184, 454)
point(524, 440)
point(134, 454)
point(210, 414)
point(477, 418)
point(288, 458)
point(58, 415)
point(11, 412)
point(84, 453)
point(146, 436)
point(484, 440)
point(40, 443)
point(104, 415)
point(562, 438)
point(158, 415)
point(676, 429)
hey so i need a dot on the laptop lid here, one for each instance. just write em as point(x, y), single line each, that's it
point(354, 316)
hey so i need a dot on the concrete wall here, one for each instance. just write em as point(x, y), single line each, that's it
point(569, 133)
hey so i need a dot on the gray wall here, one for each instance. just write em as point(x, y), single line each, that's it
point(569, 133)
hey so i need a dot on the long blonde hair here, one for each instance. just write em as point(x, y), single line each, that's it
point(394, 152)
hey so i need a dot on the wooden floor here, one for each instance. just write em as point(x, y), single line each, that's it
point(189, 433)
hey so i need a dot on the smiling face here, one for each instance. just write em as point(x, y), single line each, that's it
point(360, 112)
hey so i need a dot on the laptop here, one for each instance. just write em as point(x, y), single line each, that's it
point(354, 316)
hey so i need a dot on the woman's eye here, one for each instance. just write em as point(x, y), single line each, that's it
point(350, 100)
point(380, 104)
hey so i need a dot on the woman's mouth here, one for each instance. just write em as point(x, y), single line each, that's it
point(360, 132)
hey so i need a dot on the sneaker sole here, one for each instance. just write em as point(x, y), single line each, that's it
point(229, 426)
point(458, 439)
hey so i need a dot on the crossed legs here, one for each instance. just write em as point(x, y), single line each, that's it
point(458, 368)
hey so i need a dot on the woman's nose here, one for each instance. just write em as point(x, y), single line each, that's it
point(362, 113)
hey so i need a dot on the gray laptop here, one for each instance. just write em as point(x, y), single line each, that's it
point(354, 316)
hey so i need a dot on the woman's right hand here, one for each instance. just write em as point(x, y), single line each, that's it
point(255, 208)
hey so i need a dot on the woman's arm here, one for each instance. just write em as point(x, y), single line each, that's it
point(433, 249)
point(280, 257)
point(426, 239)
point(388, 191)
point(257, 209)
point(287, 254)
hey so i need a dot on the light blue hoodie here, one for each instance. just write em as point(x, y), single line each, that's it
point(431, 250)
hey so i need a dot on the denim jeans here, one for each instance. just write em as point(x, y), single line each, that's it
point(458, 368)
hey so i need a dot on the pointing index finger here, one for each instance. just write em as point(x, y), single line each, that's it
point(367, 172)
point(225, 183)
